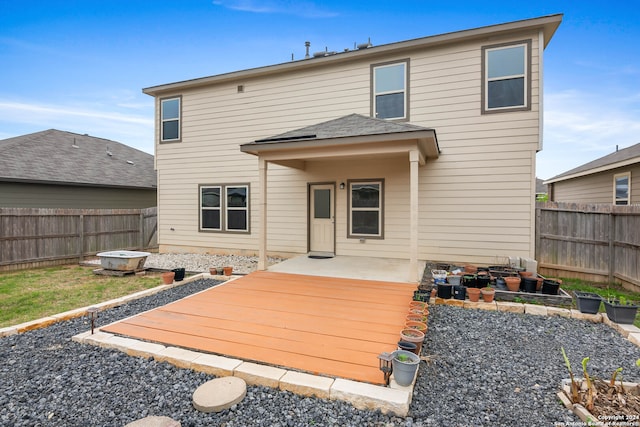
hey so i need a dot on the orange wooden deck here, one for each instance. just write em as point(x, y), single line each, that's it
point(328, 326)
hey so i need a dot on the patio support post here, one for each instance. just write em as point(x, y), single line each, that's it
point(262, 206)
point(414, 158)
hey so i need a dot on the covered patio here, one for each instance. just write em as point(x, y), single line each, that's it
point(328, 326)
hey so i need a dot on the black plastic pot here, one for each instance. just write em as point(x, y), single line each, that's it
point(408, 346)
point(620, 313)
point(179, 274)
point(482, 280)
point(470, 281)
point(529, 284)
point(550, 287)
point(459, 292)
point(422, 296)
point(588, 302)
point(444, 290)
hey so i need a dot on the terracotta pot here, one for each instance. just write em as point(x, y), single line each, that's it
point(488, 294)
point(513, 283)
point(417, 304)
point(413, 335)
point(167, 278)
point(213, 271)
point(422, 327)
point(472, 269)
point(525, 273)
point(474, 294)
point(539, 284)
point(227, 271)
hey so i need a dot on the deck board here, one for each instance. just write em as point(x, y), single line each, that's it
point(328, 326)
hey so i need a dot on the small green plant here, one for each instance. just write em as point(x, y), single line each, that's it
point(638, 363)
point(590, 389)
point(612, 382)
point(575, 398)
point(403, 358)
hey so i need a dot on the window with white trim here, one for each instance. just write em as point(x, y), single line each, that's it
point(224, 208)
point(389, 91)
point(506, 77)
point(366, 208)
point(170, 119)
point(622, 188)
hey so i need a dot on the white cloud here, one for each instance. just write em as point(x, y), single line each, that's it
point(135, 130)
point(304, 9)
point(580, 127)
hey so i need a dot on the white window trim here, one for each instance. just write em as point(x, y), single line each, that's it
point(224, 209)
point(235, 208)
point(178, 119)
point(526, 75)
point(405, 91)
point(615, 196)
point(379, 209)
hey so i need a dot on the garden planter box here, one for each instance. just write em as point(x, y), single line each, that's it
point(588, 302)
point(619, 313)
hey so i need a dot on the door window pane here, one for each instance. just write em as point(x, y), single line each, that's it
point(322, 203)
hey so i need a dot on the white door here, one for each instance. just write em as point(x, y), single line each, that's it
point(321, 219)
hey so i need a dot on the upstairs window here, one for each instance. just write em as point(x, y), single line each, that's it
point(506, 77)
point(170, 119)
point(389, 91)
point(622, 189)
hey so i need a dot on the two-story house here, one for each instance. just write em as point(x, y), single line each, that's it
point(423, 149)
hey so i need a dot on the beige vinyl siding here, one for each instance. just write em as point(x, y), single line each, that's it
point(23, 195)
point(476, 200)
point(596, 188)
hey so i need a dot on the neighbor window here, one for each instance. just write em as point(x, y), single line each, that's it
point(224, 208)
point(506, 77)
point(622, 189)
point(389, 91)
point(170, 119)
point(366, 208)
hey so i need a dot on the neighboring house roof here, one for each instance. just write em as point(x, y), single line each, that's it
point(621, 158)
point(354, 129)
point(547, 24)
point(540, 186)
point(58, 157)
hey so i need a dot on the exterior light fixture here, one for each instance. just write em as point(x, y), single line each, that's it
point(385, 365)
point(342, 185)
point(93, 312)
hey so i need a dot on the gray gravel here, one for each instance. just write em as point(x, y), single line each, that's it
point(488, 369)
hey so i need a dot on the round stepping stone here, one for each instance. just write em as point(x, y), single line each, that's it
point(219, 394)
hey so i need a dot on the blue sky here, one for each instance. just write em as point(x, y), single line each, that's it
point(80, 65)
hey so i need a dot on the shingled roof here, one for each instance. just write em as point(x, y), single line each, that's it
point(619, 158)
point(58, 157)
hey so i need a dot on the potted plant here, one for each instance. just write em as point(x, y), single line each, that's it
point(179, 274)
point(588, 302)
point(412, 324)
point(488, 293)
point(167, 277)
point(405, 365)
point(550, 286)
point(474, 294)
point(513, 283)
point(228, 270)
point(413, 335)
point(620, 311)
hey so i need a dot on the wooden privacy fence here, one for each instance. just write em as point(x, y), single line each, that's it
point(597, 242)
point(31, 237)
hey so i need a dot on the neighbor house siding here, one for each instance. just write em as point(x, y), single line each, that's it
point(476, 199)
point(596, 188)
point(22, 195)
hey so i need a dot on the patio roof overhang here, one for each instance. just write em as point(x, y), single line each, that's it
point(346, 137)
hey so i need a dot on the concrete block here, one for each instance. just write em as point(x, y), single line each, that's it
point(71, 314)
point(536, 310)
point(626, 330)
point(9, 330)
point(132, 347)
point(510, 307)
point(481, 305)
point(154, 421)
point(255, 374)
point(453, 302)
point(306, 384)
point(595, 318)
point(219, 394)
point(557, 311)
point(634, 338)
point(371, 397)
point(36, 324)
point(179, 357)
point(215, 365)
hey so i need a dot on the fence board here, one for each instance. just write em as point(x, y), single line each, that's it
point(38, 237)
point(597, 240)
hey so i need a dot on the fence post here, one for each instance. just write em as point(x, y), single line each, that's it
point(81, 238)
point(612, 249)
point(141, 235)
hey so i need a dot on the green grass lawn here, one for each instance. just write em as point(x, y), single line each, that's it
point(31, 294)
